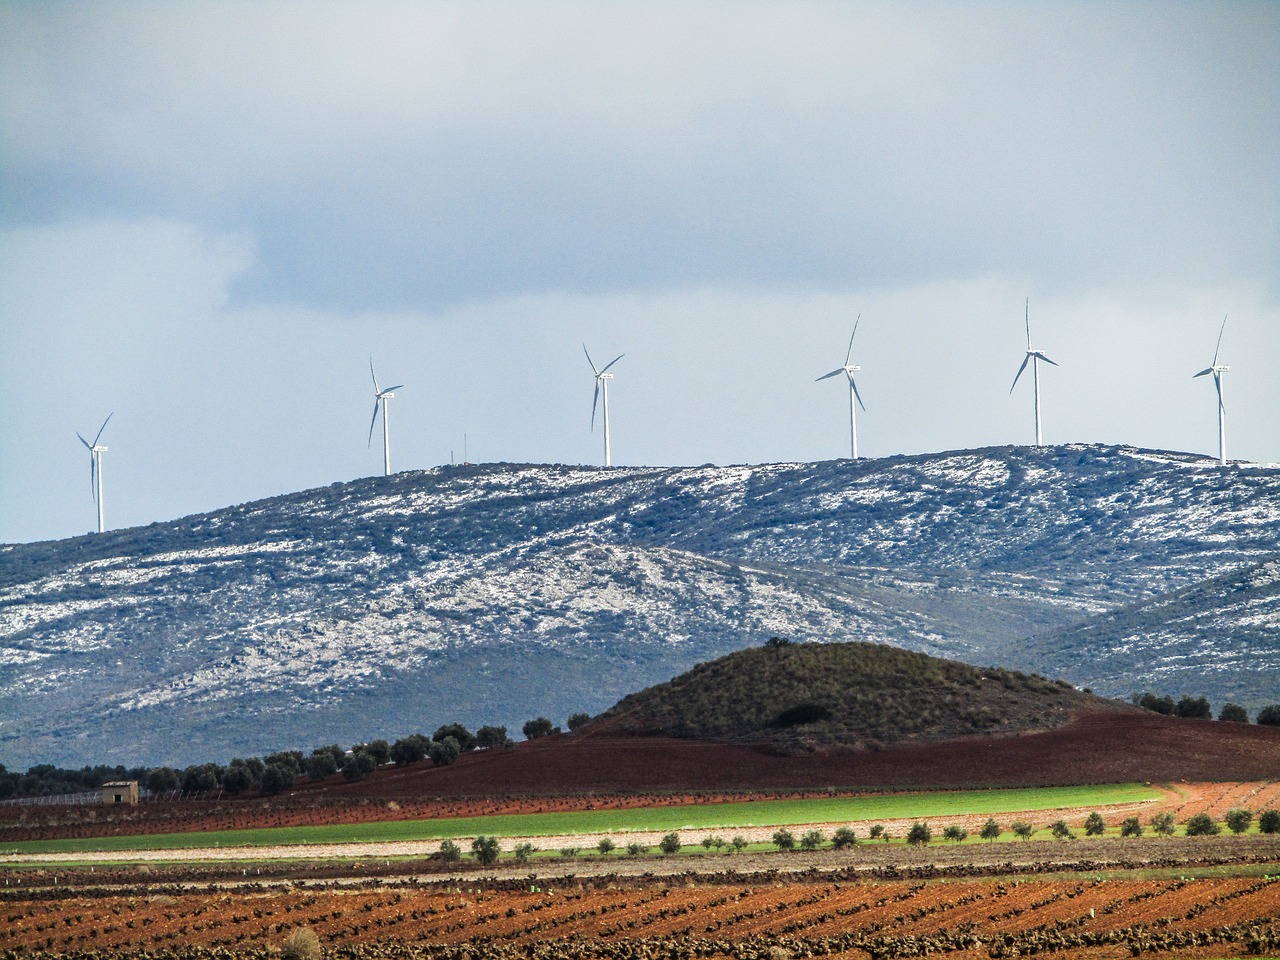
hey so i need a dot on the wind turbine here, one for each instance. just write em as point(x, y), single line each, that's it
point(849, 370)
point(95, 468)
point(1218, 369)
point(602, 392)
point(380, 398)
point(1033, 357)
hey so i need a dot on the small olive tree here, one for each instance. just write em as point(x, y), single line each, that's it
point(1094, 825)
point(1163, 824)
point(1131, 827)
point(1202, 825)
point(919, 834)
point(523, 851)
point(812, 840)
point(1022, 829)
point(843, 837)
point(1234, 713)
point(539, 727)
point(444, 752)
point(670, 843)
point(784, 839)
point(449, 851)
point(485, 849)
point(990, 830)
point(1238, 819)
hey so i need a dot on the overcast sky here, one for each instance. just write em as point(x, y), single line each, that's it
point(211, 214)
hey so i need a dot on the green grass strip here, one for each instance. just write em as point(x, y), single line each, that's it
point(718, 816)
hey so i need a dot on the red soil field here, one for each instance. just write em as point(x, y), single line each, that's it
point(574, 773)
point(1106, 747)
point(964, 918)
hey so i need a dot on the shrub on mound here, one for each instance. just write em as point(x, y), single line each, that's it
point(302, 944)
point(793, 697)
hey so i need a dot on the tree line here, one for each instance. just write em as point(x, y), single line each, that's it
point(275, 772)
point(1199, 708)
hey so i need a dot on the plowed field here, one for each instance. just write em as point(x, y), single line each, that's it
point(712, 917)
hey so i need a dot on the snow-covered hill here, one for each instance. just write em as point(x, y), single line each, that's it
point(493, 594)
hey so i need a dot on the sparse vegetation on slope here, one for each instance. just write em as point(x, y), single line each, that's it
point(795, 697)
point(391, 603)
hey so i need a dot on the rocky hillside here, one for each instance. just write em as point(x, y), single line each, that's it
point(793, 697)
point(1225, 630)
point(492, 594)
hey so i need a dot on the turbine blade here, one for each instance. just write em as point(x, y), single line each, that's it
point(854, 384)
point(372, 422)
point(374, 375)
point(1025, 361)
point(1217, 385)
point(613, 361)
point(849, 354)
point(831, 374)
point(594, 400)
point(590, 361)
point(1202, 373)
point(103, 427)
point(1027, 317)
point(1221, 329)
point(1044, 358)
point(93, 476)
point(88, 446)
point(398, 386)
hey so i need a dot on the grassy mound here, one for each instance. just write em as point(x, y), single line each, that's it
point(796, 697)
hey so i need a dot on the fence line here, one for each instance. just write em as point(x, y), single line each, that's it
point(95, 797)
point(90, 796)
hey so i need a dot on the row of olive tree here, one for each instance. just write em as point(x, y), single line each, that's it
point(277, 771)
point(46, 780)
point(1199, 708)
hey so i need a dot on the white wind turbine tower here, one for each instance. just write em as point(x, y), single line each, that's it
point(95, 468)
point(1033, 357)
point(1218, 369)
point(849, 369)
point(380, 398)
point(602, 392)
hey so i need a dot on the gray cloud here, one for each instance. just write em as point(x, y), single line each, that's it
point(427, 154)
